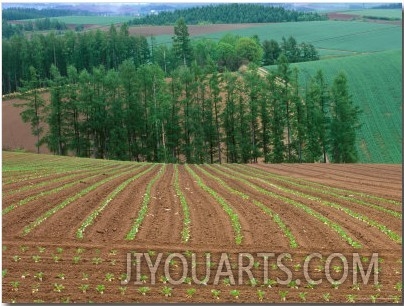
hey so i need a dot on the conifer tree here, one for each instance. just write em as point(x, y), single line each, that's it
point(344, 122)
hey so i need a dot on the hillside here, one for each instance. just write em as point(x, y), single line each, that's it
point(376, 89)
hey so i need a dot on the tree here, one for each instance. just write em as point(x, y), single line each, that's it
point(182, 42)
point(271, 52)
point(34, 107)
point(344, 122)
point(229, 118)
point(57, 136)
point(249, 51)
point(283, 79)
point(227, 56)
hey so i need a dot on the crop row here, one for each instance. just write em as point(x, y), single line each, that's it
point(337, 228)
point(276, 218)
point(337, 192)
point(143, 210)
point(383, 228)
point(226, 207)
point(90, 219)
point(67, 175)
point(27, 229)
point(185, 233)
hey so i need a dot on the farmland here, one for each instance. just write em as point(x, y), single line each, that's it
point(381, 13)
point(68, 224)
point(90, 20)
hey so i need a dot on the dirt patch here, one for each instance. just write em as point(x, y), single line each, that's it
point(16, 133)
point(194, 30)
point(341, 16)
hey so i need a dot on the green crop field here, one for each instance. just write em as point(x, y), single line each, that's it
point(375, 83)
point(95, 20)
point(329, 35)
point(383, 13)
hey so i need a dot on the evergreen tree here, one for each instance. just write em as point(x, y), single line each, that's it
point(229, 118)
point(59, 127)
point(283, 85)
point(182, 43)
point(34, 108)
point(344, 122)
point(271, 52)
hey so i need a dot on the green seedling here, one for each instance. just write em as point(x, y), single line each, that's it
point(84, 287)
point(191, 292)
point(100, 289)
point(167, 291)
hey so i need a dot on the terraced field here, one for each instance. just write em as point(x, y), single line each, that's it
point(70, 223)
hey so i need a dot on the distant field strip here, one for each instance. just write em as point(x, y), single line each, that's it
point(384, 13)
point(95, 20)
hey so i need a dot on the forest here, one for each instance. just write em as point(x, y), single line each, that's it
point(229, 13)
point(128, 104)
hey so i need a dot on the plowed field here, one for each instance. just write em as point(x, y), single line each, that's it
point(70, 225)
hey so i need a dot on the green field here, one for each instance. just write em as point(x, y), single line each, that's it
point(383, 13)
point(375, 84)
point(330, 35)
point(95, 20)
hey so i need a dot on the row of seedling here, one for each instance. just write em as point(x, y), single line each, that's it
point(143, 210)
point(314, 186)
point(301, 206)
point(226, 207)
point(329, 191)
point(90, 219)
point(185, 233)
point(27, 229)
point(277, 219)
point(392, 235)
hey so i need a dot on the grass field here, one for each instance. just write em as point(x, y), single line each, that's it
point(375, 83)
point(384, 13)
point(334, 35)
point(95, 20)
point(74, 227)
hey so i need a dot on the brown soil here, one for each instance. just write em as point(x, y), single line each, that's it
point(345, 17)
point(350, 177)
point(211, 232)
point(17, 134)
point(194, 30)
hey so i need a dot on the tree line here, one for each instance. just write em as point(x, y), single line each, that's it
point(229, 13)
point(196, 116)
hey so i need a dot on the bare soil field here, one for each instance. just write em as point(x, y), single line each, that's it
point(347, 17)
point(70, 225)
point(193, 30)
point(16, 133)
